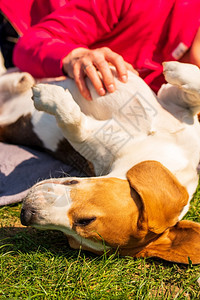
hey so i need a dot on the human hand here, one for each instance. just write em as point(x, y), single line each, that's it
point(82, 62)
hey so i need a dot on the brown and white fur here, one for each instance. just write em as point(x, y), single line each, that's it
point(144, 151)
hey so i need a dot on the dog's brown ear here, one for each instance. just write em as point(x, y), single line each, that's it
point(180, 243)
point(162, 196)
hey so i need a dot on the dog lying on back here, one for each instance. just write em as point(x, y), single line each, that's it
point(144, 151)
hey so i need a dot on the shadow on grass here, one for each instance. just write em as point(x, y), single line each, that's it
point(26, 240)
point(29, 240)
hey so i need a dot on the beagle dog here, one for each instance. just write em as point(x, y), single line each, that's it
point(144, 150)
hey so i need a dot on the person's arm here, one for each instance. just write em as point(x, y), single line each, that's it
point(45, 49)
point(193, 54)
point(194, 57)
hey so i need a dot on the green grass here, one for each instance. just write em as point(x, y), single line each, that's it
point(40, 265)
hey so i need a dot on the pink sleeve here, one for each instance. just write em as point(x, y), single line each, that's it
point(78, 24)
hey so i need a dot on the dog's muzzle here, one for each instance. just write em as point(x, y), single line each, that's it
point(27, 216)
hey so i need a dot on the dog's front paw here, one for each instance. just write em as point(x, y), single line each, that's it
point(47, 97)
point(185, 76)
point(56, 101)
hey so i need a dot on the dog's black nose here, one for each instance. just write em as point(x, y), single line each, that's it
point(26, 216)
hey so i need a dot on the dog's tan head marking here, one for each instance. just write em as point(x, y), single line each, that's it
point(137, 216)
point(106, 209)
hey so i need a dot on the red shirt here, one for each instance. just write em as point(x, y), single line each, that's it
point(145, 33)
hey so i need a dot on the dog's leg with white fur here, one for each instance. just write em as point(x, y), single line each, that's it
point(56, 101)
point(80, 130)
point(183, 87)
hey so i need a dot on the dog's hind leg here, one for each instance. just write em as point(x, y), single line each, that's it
point(16, 107)
point(15, 96)
point(14, 83)
point(186, 79)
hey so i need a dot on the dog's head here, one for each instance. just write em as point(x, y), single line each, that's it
point(137, 216)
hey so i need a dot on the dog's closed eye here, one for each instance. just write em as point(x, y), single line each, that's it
point(84, 221)
point(69, 182)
